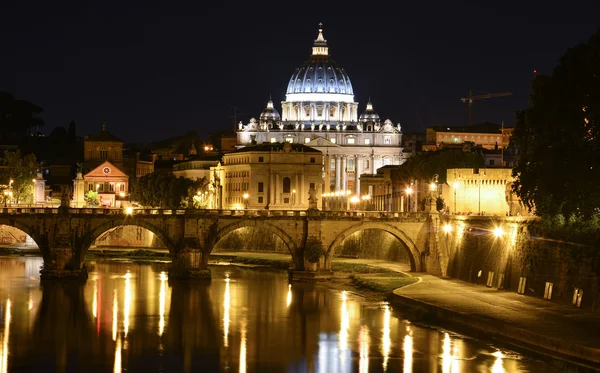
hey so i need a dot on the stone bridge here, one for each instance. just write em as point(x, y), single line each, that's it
point(312, 236)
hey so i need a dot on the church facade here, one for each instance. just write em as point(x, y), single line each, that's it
point(320, 111)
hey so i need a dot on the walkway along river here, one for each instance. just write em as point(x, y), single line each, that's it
point(127, 317)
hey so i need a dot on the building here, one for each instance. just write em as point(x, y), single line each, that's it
point(320, 111)
point(197, 168)
point(276, 176)
point(103, 170)
point(484, 191)
point(487, 135)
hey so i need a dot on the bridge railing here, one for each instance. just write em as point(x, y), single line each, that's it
point(359, 215)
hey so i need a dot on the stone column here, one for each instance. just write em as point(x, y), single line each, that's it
point(373, 170)
point(271, 189)
point(301, 194)
point(338, 167)
point(327, 174)
point(297, 189)
point(344, 185)
point(357, 172)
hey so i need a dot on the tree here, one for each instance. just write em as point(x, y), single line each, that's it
point(558, 138)
point(166, 190)
point(18, 172)
point(91, 198)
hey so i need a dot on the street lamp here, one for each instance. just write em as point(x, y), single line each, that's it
point(5, 198)
point(293, 197)
point(246, 196)
point(433, 188)
point(354, 200)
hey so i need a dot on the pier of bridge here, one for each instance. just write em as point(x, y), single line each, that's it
point(312, 237)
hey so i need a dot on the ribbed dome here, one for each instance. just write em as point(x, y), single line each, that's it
point(270, 113)
point(320, 74)
point(369, 115)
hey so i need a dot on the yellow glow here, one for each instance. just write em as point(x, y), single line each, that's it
point(246, 195)
point(345, 324)
point(129, 210)
point(161, 304)
point(363, 345)
point(226, 305)
point(455, 185)
point(115, 315)
point(497, 367)
point(354, 199)
point(449, 362)
point(289, 296)
point(498, 231)
point(122, 194)
point(447, 228)
point(348, 192)
point(34, 180)
point(386, 341)
point(408, 353)
point(432, 186)
point(243, 348)
point(95, 300)
point(117, 367)
point(30, 302)
point(4, 338)
point(409, 190)
point(127, 305)
point(293, 190)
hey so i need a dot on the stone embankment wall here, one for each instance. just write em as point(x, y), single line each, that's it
point(512, 254)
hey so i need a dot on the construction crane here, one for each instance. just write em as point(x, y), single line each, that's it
point(470, 99)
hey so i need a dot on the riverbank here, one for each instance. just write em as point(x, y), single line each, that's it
point(562, 333)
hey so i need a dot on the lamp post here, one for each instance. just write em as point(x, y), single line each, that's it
point(5, 198)
point(354, 200)
point(479, 198)
point(293, 197)
point(433, 188)
point(246, 196)
point(408, 193)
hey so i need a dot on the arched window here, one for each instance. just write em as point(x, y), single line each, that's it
point(286, 184)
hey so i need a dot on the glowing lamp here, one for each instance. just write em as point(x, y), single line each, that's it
point(129, 210)
point(498, 231)
point(447, 228)
point(409, 190)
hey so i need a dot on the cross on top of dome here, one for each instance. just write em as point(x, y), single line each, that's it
point(320, 46)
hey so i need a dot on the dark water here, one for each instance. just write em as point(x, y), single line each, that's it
point(127, 318)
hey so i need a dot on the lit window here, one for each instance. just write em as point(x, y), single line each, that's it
point(351, 165)
point(332, 140)
point(289, 139)
point(387, 140)
point(306, 140)
point(273, 139)
point(351, 141)
point(367, 141)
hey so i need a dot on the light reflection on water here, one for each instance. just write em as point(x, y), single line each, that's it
point(129, 318)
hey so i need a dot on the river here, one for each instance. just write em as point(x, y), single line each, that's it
point(128, 318)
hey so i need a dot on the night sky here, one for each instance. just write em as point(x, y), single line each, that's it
point(153, 72)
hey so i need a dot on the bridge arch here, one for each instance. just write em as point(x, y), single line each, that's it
point(414, 253)
point(258, 224)
point(98, 231)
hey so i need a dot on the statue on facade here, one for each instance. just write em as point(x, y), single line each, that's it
point(312, 126)
point(338, 127)
point(312, 199)
point(359, 127)
point(328, 126)
point(398, 128)
point(344, 127)
point(240, 125)
point(280, 125)
point(297, 125)
point(377, 127)
point(321, 126)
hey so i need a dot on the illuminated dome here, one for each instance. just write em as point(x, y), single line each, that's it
point(320, 75)
point(270, 113)
point(369, 115)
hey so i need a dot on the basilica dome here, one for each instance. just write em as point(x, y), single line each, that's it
point(320, 75)
point(270, 113)
point(369, 115)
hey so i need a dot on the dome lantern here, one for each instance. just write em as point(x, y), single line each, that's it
point(320, 46)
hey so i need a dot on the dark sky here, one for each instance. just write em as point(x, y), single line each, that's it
point(153, 72)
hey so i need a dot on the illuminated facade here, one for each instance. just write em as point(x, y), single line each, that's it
point(268, 176)
point(320, 111)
